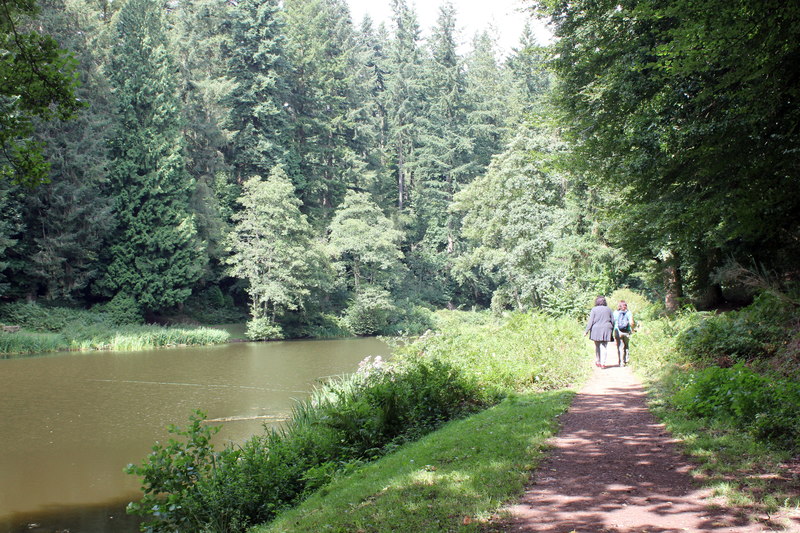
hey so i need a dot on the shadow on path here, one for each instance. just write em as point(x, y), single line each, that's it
point(613, 468)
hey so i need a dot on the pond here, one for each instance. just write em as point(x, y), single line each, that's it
point(69, 423)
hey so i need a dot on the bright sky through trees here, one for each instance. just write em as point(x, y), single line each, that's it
point(507, 17)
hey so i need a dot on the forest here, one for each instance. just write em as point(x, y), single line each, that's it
point(326, 176)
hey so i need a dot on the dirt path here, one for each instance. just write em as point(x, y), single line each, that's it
point(615, 469)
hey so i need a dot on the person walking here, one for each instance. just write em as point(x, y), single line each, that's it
point(623, 327)
point(600, 327)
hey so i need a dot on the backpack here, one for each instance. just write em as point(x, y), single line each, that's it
point(623, 321)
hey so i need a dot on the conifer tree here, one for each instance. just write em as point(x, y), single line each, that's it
point(404, 97)
point(486, 97)
point(257, 66)
point(155, 257)
point(201, 39)
point(69, 217)
point(370, 114)
point(323, 54)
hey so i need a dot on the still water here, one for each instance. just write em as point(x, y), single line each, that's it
point(69, 423)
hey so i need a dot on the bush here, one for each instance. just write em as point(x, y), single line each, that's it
point(41, 318)
point(767, 407)
point(123, 310)
point(411, 320)
point(189, 487)
point(370, 312)
point(757, 331)
point(263, 329)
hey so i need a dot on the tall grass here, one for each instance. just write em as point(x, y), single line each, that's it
point(57, 328)
point(23, 342)
point(520, 352)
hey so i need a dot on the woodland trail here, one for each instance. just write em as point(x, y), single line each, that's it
point(614, 469)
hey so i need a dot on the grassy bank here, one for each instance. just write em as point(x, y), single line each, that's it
point(725, 386)
point(452, 480)
point(55, 329)
point(474, 362)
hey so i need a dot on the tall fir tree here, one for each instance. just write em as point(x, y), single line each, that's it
point(257, 66)
point(200, 38)
point(155, 257)
point(488, 85)
point(323, 55)
point(69, 217)
point(404, 97)
point(370, 114)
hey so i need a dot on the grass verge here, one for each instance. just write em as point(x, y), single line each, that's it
point(452, 480)
point(752, 476)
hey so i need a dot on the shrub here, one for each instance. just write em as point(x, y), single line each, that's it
point(370, 312)
point(757, 331)
point(190, 487)
point(412, 320)
point(123, 310)
point(263, 329)
point(767, 407)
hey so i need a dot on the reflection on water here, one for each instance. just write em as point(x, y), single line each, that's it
point(105, 518)
point(69, 423)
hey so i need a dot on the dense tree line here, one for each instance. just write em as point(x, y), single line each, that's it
point(277, 155)
point(270, 151)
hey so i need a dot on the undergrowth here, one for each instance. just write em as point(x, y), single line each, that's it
point(725, 385)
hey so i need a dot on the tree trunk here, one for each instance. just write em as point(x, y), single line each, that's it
point(673, 283)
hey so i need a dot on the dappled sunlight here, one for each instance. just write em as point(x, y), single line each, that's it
point(615, 469)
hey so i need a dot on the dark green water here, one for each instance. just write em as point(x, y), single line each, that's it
point(69, 423)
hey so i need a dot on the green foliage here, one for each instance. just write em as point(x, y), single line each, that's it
point(365, 242)
point(741, 458)
point(38, 84)
point(40, 318)
point(189, 486)
point(155, 255)
point(98, 329)
point(123, 310)
point(412, 319)
point(470, 467)
point(765, 406)
point(526, 351)
point(758, 331)
point(263, 329)
point(273, 248)
point(24, 342)
point(370, 312)
point(354, 419)
point(691, 120)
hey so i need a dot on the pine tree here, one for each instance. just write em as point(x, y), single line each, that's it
point(370, 114)
point(201, 38)
point(323, 55)
point(404, 97)
point(258, 70)
point(488, 85)
point(155, 257)
point(69, 217)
